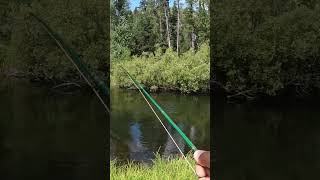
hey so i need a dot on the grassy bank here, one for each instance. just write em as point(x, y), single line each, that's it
point(162, 169)
point(187, 73)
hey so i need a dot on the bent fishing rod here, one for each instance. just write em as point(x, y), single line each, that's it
point(98, 86)
point(147, 97)
point(167, 117)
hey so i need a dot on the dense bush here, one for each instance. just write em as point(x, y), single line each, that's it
point(82, 24)
point(189, 72)
point(267, 47)
point(5, 30)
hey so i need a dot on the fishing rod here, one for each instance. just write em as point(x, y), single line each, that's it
point(146, 95)
point(167, 117)
point(98, 86)
point(91, 79)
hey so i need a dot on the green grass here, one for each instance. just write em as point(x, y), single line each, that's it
point(162, 169)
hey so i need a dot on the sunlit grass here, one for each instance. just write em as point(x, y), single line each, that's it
point(161, 169)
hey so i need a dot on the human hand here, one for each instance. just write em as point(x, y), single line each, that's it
point(203, 164)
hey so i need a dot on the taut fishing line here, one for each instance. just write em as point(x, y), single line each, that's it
point(136, 84)
point(161, 122)
point(60, 44)
point(166, 130)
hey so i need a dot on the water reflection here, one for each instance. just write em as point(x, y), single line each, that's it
point(170, 147)
point(268, 142)
point(49, 136)
point(139, 133)
point(138, 152)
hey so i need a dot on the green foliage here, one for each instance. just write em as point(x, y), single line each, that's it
point(266, 47)
point(187, 73)
point(144, 29)
point(139, 44)
point(145, 34)
point(5, 30)
point(161, 169)
point(121, 36)
point(82, 24)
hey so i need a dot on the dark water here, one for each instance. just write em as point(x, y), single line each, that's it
point(44, 135)
point(48, 135)
point(136, 133)
point(278, 142)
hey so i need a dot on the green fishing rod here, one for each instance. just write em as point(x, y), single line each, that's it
point(97, 85)
point(167, 117)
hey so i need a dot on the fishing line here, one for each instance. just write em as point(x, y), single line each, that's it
point(138, 86)
point(167, 117)
point(187, 140)
point(191, 167)
point(70, 58)
point(84, 77)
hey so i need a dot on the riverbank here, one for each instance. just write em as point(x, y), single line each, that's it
point(188, 72)
point(162, 169)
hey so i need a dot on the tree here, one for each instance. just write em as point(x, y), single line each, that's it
point(190, 21)
point(173, 24)
point(178, 26)
point(166, 7)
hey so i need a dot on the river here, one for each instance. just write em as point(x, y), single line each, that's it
point(48, 134)
point(261, 142)
point(136, 133)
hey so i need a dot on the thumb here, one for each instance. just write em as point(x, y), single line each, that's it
point(202, 158)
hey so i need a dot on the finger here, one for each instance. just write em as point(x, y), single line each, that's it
point(201, 172)
point(202, 158)
point(207, 172)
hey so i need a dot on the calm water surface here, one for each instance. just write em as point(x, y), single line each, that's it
point(136, 133)
point(45, 135)
point(278, 142)
point(49, 135)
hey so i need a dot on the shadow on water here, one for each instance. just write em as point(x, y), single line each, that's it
point(268, 142)
point(139, 135)
point(49, 136)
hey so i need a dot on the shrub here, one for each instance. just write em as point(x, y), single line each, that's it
point(189, 72)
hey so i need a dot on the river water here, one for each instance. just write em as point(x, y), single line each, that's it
point(46, 135)
point(263, 142)
point(136, 133)
point(50, 135)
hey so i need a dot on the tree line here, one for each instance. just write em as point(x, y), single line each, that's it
point(163, 44)
point(155, 24)
point(260, 47)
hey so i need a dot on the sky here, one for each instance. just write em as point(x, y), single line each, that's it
point(135, 3)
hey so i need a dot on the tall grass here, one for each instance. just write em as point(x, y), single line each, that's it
point(162, 169)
